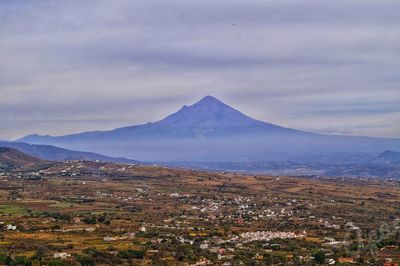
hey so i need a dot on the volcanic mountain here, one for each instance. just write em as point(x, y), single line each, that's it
point(210, 130)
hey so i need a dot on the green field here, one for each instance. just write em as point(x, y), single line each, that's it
point(12, 209)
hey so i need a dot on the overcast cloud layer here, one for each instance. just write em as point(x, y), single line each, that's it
point(324, 66)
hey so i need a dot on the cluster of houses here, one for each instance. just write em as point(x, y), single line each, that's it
point(266, 236)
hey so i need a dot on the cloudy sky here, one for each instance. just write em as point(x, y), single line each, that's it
point(324, 66)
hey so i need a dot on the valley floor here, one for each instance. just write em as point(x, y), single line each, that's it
point(88, 213)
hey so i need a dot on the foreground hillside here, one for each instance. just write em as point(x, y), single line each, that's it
point(88, 213)
point(12, 159)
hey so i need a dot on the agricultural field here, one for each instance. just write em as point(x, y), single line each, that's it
point(93, 213)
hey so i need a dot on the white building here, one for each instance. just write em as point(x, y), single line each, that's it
point(61, 255)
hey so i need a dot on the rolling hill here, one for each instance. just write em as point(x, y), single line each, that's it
point(11, 159)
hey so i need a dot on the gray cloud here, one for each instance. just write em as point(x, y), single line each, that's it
point(69, 66)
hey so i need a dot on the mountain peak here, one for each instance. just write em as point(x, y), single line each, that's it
point(210, 99)
point(209, 102)
point(209, 112)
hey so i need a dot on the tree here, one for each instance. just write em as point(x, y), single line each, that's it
point(86, 260)
point(20, 260)
point(5, 259)
point(319, 257)
point(89, 220)
point(40, 252)
point(57, 263)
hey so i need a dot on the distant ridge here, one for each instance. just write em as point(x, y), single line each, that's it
point(52, 153)
point(210, 130)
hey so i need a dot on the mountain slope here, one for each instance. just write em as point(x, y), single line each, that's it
point(389, 156)
point(12, 158)
point(210, 130)
point(52, 153)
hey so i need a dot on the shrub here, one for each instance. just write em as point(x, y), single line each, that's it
point(89, 220)
point(131, 254)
